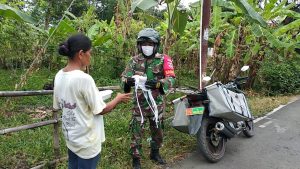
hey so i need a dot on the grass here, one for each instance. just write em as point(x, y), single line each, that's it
point(261, 105)
point(28, 148)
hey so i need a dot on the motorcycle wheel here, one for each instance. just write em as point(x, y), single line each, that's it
point(212, 145)
point(249, 130)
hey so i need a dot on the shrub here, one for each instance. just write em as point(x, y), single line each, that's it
point(279, 77)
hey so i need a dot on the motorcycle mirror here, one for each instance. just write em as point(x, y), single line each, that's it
point(244, 68)
point(206, 78)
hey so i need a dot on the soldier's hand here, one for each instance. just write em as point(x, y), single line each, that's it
point(130, 81)
point(153, 84)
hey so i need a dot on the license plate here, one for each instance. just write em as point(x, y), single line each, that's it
point(194, 111)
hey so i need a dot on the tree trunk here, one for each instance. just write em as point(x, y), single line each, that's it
point(167, 41)
point(235, 68)
point(48, 14)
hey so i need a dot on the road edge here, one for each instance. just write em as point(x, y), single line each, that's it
point(276, 109)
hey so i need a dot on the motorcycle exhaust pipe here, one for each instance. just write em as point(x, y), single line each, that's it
point(222, 128)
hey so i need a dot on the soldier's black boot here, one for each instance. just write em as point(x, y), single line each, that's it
point(155, 156)
point(136, 164)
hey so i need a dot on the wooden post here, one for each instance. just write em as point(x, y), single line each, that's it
point(205, 15)
point(56, 136)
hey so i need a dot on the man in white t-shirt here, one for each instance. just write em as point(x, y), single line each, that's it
point(76, 94)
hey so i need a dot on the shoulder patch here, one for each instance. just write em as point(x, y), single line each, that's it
point(168, 67)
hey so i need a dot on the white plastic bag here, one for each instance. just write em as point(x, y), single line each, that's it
point(181, 121)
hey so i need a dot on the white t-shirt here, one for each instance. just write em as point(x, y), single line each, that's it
point(75, 92)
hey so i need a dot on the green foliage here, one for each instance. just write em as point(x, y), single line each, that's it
point(62, 27)
point(9, 12)
point(179, 20)
point(19, 42)
point(143, 4)
point(241, 36)
point(27, 149)
point(230, 51)
point(277, 77)
point(50, 12)
point(112, 51)
point(34, 82)
point(291, 26)
point(250, 12)
point(177, 15)
point(110, 48)
point(114, 43)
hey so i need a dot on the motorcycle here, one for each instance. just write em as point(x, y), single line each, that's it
point(215, 114)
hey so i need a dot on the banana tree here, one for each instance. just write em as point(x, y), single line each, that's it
point(177, 16)
point(66, 26)
point(252, 43)
point(176, 12)
point(9, 12)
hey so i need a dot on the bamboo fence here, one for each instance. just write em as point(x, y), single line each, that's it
point(55, 121)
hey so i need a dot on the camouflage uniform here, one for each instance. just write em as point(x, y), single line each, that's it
point(153, 69)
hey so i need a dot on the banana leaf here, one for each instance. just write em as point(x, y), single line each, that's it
point(7, 11)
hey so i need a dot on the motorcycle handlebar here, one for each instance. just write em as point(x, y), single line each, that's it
point(241, 78)
point(236, 84)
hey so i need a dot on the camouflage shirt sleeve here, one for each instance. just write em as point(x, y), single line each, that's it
point(168, 83)
point(128, 72)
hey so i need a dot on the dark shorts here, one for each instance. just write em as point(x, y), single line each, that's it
point(75, 162)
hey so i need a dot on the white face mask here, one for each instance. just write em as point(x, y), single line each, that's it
point(147, 50)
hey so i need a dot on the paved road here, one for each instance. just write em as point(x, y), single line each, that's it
point(276, 145)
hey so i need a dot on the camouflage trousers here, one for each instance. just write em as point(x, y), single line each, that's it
point(137, 131)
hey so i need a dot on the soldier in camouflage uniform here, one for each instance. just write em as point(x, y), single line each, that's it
point(160, 75)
